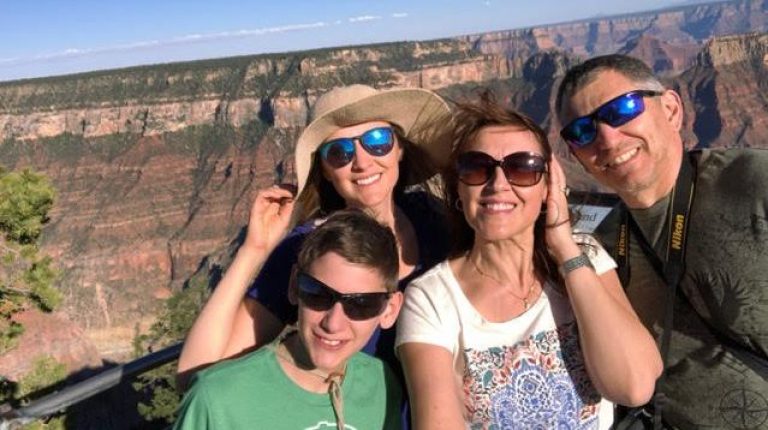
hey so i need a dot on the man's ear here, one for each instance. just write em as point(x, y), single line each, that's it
point(293, 288)
point(673, 108)
point(389, 316)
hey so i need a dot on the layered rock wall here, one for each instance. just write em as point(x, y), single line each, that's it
point(250, 88)
point(155, 167)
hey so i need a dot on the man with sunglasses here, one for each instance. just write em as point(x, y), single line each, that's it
point(313, 375)
point(690, 240)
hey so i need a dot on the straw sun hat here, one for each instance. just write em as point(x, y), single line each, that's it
point(413, 110)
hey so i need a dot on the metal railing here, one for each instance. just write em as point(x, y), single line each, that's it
point(43, 407)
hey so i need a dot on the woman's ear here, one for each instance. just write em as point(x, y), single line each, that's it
point(399, 146)
point(389, 316)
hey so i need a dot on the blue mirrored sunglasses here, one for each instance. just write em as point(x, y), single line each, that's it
point(319, 297)
point(377, 141)
point(616, 112)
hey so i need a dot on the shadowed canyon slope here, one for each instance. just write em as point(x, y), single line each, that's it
point(156, 166)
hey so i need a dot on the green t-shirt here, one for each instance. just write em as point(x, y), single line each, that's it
point(725, 288)
point(253, 392)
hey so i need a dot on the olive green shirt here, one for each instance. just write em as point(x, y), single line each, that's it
point(714, 380)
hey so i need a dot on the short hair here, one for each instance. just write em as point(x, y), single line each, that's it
point(359, 239)
point(469, 119)
point(585, 73)
point(319, 197)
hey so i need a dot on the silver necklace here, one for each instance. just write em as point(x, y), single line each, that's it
point(524, 299)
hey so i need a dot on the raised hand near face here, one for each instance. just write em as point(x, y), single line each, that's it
point(270, 217)
point(558, 231)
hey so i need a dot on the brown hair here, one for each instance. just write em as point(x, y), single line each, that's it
point(470, 118)
point(359, 239)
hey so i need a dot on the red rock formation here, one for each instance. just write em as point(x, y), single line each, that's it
point(726, 92)
point(53, 335)
point(661, 55)
point(161, 175)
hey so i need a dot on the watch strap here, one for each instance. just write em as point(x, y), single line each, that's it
point(574, 263)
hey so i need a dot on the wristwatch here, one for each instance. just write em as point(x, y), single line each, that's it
point(574, 263)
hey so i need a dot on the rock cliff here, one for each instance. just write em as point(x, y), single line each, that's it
point(727, 93)
point(155, 167)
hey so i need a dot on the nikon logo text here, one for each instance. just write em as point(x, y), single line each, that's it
point(622, 245)
point(677, 232)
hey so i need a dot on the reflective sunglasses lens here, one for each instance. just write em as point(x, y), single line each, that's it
point(364, 306)
point(580, 132)
point(378, 141)
point(617, 112)
point(622, 109)
point(475, 168)
point(338, 152)
point(523, 169)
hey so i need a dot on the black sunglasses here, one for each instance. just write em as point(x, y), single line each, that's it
point(357, 306)
point(615, 112)
point(522, 169)
point(339, 152)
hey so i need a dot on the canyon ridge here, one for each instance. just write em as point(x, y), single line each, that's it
point(155, 167)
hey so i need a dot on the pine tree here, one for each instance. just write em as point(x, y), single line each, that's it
point(26, 281)
point(26, 276)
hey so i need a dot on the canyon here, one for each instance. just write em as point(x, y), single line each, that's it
point(155, 167)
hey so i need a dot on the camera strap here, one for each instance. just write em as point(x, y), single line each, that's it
point(670, 266)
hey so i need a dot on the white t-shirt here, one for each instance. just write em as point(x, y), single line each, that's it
point(524, 373)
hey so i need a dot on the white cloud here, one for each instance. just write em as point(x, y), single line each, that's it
point(364, 18)
point(189, 38)
point(245, 33)
point(78, 52)
point(185, 39)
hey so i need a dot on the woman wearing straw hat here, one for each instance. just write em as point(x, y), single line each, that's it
point(362, 149)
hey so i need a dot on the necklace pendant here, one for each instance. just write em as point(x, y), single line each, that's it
point(526, 305)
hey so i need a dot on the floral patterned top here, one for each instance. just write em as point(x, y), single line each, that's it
point(524, 373)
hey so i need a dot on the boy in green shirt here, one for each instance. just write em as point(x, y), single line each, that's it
point(313, 375)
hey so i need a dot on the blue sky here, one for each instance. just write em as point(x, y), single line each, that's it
point(54, 37)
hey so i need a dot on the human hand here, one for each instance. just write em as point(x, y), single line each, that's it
point(270, 216)
point(558, 231)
